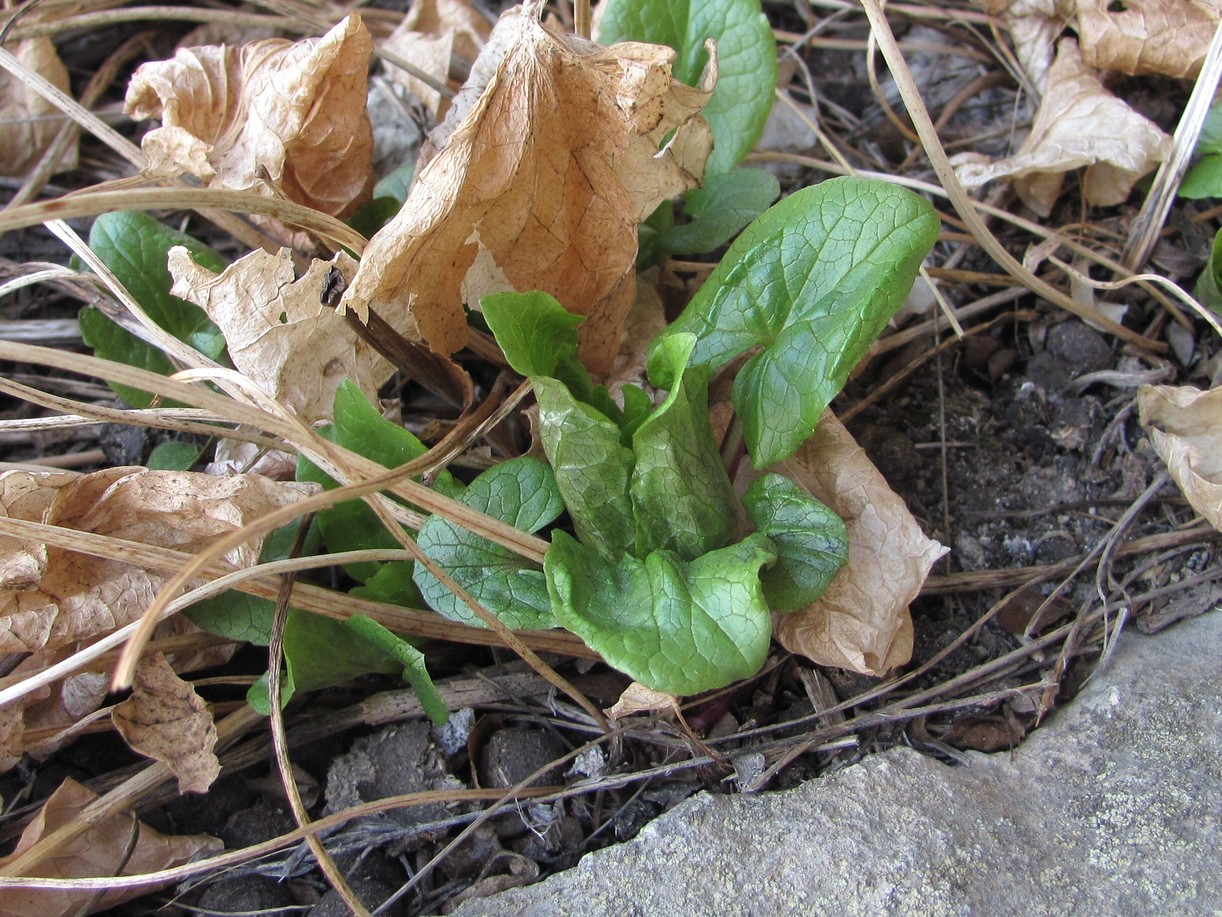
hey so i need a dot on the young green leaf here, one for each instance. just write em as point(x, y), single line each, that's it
point(813, 282)
point(175, 455)
point(593, 468)
point(811, 541)
point(135, 247)
point(1204, 178)
point(539, 338)
point(673, 626)
point(412, 660)
point(522, 492)
point(746, 58)
point(718, 210)
point(320, 653)
point(681, 494)
point(392, 583)
point(1208, 288)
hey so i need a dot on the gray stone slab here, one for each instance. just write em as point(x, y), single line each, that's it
point(1112, 808)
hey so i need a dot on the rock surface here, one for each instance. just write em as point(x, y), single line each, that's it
point(1113, 807)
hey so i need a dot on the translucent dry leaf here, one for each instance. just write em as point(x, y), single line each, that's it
point(289, 113)
point(541, 187)
point(279, 333)
point(1169, 37)
point(636, 698)
point(29, 122)
point(861, 622)
point(1079, 124)
point(1185, 426)
point(440, 37)
point(57, 599)
point(166, 720)
point(118, 845)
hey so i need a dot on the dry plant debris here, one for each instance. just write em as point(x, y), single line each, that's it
point(1016, 441)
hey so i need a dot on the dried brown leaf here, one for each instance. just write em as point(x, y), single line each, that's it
point(1185, 426)
point(861, 622)
point(166, 720)
point(541, 187)
point(289, 113)
point(118, 845)
point(636, 698)
point(1034, 26)
point(29, 122)
point(1079, 124)
point(442, 38)
point(1170, 37)
point(280, 335)
point(75, 597)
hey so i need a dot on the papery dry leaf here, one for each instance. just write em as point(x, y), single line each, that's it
point(289, 112)
point(1079, 123)
point(1034, 26)
point(1185, 426)
point(280, 335)
point(861, 622)
point(102, 850)
point(166, 720)
point(636, 698)
point(76, 597)
point(541, 187)
point(1170, 37)
point(438, 37)
point(29, 122)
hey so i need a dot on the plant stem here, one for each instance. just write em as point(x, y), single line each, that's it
point(581, 18)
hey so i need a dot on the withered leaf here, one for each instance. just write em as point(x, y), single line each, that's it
point(52, 599)
point(1185, 426)
point(541, 187)
point(439, 37)
point(1170, 37)
point(861, 622)
point(289, 112)
point(102, 850)
point(166, 720)
point(28, 122)
point(1079, 123)
point(280, 335)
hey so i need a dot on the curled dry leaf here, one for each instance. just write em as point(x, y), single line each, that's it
point(637, 698)
point(1079, 123)
point(861, 622)
point(1034, 26)
point(59, 599)
point(1170, 37)
point(118, 845)
point(280, 335)
point(541, 187)
point(1185, 426)
point(292, 113)
point(29, 122)
point(166, 720)
point(440, 37)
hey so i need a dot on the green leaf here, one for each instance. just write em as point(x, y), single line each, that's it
point(671, 625)
point(175, 455)
point(1203, 179)
point(746, 56)
point(811, 541)
point(719, 210)
point(320, 653)
point(351, 525)
point(412, 660)
point(539, 338)
point(1208, 288)
point(392, 583)
point(680, 491)
point(136, 247)
point(813, 282)
point(592, 467)
point(522, 492)
point(236, 615)
point(388, 196)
